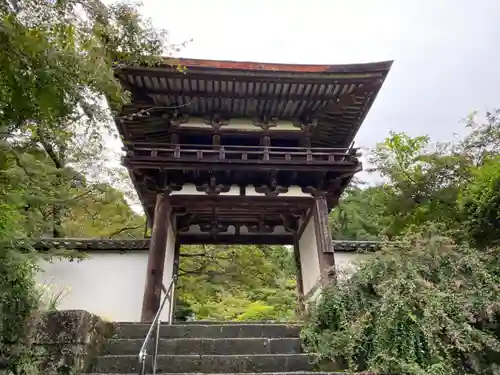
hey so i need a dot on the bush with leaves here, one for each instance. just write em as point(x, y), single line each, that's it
point(57, 64)
point(18, 298)
point(247, 282)
point(423, 306)
point(480, 203)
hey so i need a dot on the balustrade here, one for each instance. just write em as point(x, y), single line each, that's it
point(232, 153)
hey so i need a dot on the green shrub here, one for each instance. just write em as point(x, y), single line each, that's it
point(480, 204)
point(18, 298)
point(425, 307)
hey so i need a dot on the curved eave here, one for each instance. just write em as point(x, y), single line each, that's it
point(253, 89)
point(322, 70)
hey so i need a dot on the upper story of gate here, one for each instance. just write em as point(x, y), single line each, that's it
point(215, 124)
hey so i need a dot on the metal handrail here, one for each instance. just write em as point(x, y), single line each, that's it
point(156, 322)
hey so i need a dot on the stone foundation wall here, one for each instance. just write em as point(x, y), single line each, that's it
point(70, 340)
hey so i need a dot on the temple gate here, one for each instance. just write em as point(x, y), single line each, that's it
point(243, 153)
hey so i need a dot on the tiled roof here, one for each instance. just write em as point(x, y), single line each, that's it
point(84, 244)
point(338, 97)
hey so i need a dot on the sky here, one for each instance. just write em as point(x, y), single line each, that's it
point(445, 52)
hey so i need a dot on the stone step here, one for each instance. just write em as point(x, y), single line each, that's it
point(222, 322)
point(208, 346)
point(249, 330)
point(208, 363)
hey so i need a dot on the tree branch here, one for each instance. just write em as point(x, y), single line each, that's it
point(50, 152)
point(115, 233)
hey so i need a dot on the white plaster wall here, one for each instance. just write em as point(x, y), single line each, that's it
point(110, 285)
point(293, 191)
point(309, 261)
point(346, 262)
point(190, 189)
point(168, 271)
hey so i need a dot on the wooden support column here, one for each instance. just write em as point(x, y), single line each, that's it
point(298, 277)
point(174, 139)
point(216, 140)
point(324, 241)
point(156, 259)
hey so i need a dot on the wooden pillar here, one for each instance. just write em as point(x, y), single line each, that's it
point(298, 277)
point(216, 140)
point(266, 141)
point(156, 259)
point(174, 139)
point(324, 241)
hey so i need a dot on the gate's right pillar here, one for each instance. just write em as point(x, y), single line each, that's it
point(315, 250)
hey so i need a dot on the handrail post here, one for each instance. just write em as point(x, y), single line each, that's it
point(156, 323)
point(142, 367)
point(171, 304)
point(157, 340)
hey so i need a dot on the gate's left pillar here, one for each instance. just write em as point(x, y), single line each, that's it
point(160, 264)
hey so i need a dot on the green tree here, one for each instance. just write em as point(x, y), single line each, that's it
point(238, 282)
point(424, 182)
point(480, 203)
point(421, 184)
point(360, 214)
point(56, 69)
point(425, 306)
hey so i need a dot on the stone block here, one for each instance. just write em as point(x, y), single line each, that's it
point(69, 341)
point(208, 346)
point(208, 364)
point(242, 330)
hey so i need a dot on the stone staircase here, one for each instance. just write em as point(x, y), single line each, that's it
point(209, 348)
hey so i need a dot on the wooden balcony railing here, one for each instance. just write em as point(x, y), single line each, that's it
point(272, 154)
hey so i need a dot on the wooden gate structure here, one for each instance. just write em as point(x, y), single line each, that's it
point(243, 153)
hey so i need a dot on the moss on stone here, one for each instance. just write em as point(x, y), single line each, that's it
point(69, 341)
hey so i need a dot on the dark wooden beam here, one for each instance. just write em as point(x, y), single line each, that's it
point(254, 77)
point(234, 201)
point(235, 95)
point(231, 239)
point(156, 259)
point(324, 241)
point(304, 221)
point(159, 130)
point(155, 163)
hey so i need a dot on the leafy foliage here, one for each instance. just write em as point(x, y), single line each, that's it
point(56, 68)
point(426, 306)
point(238, 282)
point(481, 205)
point(349, 220)
point(422, 183)
point(18, 298)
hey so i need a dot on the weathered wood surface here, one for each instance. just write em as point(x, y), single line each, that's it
point(156, 259)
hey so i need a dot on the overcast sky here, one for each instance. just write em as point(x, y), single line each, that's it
point(445, 52)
